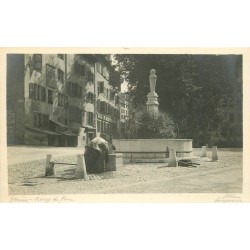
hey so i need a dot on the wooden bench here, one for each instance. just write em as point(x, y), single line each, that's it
point(80, 173)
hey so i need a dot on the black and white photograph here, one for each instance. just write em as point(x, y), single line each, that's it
point(124, 123)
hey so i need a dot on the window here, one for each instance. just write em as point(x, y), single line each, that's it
point(50, 76)
point(102, 126)
point(74, 114)
point(60, 99)
point(41, 120)
point(100, 87)
point(37, 92)
point(32, 90)
point(79, 69)
point(41, 93)
point(50, 96)
point(60, 75)
point(99, 67)
point(90, 97)
point(98, 126)
point(37, 59)
point(102, 107)
point(74, 89)
point(90, 120)
point(112, 95)
point(61, 56)
point(90, 76)
point(108, 96)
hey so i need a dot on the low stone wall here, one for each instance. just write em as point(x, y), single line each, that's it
point(153, 148)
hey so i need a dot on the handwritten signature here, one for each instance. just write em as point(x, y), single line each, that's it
point(24, 199)
point(229, 198)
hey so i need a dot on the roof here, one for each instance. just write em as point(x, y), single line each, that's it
point(43, 131)
point(58, 123)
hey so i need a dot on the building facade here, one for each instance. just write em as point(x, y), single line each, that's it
point(53, 99)
point(108, 112)
point(124, 113)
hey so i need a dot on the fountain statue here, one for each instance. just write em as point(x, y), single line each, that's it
point(152, 80)
point(152, 103)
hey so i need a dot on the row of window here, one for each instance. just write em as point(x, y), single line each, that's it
point(105, 108)
point(51, 76)
point(37, 92)
point(89, 117)
point(41, 120)
point(108, 93)
point(75, 114)
point(106, 127)
point(79, 69)
point(74, 89)
point(62, 99)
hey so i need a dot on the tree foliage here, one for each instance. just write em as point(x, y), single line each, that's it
point(145, 125)
point(191, 88)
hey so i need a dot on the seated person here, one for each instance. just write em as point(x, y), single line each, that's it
point(96, 155)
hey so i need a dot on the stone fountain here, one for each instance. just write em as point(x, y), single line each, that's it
point(152, 150)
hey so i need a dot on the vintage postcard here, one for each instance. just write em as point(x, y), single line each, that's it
point(125, 125)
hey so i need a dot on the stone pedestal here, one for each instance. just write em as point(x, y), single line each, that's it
point(115, 160)
point(152, 103)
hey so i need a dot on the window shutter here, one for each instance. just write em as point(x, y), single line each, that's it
point(38, 62)
point(98, 126)
point(94, 120)
point(102, 107)
point(36, 91)
point(43, 94)
point(87, 118)
point(98, 105)
point(101, 87)
point(35, 117)
point(31, 90)
point(45, 121)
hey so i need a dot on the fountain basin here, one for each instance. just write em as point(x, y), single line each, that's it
point(150, 149)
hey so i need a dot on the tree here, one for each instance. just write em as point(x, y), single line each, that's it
point(191, 88)
point(145, 125)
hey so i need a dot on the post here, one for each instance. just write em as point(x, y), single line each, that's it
point(49, 170)
point(81, 172)
point(204, 151)
point(214, 153)
point(172, 158)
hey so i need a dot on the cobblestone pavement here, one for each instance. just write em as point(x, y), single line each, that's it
point(28, 178)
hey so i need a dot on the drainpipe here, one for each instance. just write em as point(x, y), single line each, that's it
point(95, 100)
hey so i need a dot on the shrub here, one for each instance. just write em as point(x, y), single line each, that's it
point(145, 125)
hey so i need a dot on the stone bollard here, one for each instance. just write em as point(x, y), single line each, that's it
point(81, 172)
point(49, 170)
point(204, 151)
point(214, 153)
point(172, 158)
